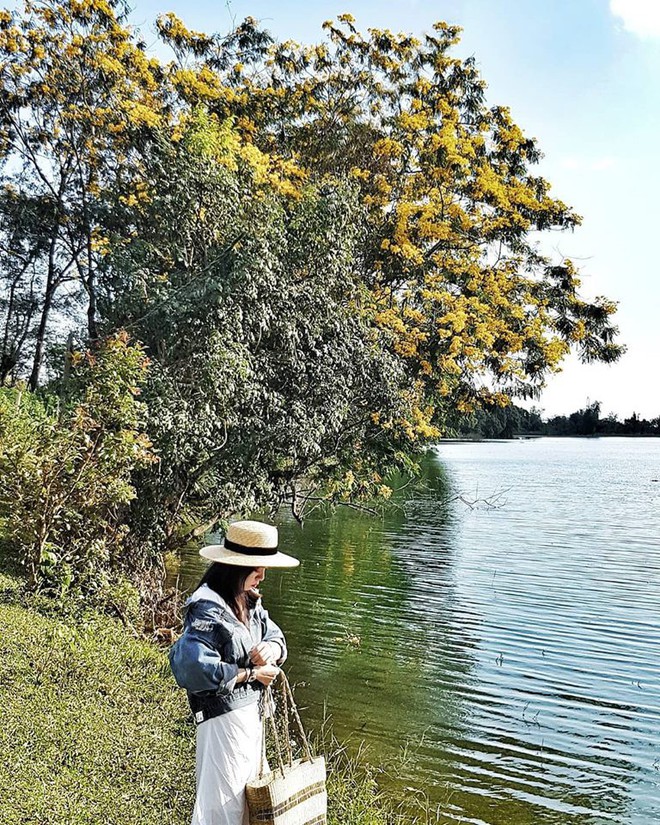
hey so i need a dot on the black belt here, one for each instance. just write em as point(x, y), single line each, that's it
point(208, 707)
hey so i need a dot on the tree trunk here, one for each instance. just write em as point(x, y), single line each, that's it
point(33, 383)
point(51, 286)
point(11, 352)
point(92, 329)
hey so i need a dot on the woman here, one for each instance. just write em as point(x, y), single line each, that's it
point(229, 652)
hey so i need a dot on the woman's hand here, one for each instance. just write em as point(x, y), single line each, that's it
point(264, 653)
point(266, 674)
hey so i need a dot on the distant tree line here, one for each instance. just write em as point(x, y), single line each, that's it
point(511, 421)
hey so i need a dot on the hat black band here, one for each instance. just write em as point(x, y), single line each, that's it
point(250, 551)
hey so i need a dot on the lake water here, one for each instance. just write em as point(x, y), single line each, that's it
point(501, 655)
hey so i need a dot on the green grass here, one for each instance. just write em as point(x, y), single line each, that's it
point(94, 730)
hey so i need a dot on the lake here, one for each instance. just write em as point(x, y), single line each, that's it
point(499, 652)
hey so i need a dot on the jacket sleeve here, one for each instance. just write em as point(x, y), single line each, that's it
point(195, 658)
point(272, 633)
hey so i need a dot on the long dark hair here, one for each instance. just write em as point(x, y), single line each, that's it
point(228, 580)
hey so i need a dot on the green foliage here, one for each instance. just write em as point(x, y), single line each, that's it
point(65, 469)
point(266, 375)
point(355, 798)
point(580, 422)
point(78, 93)
point(451, 197)
point(587, 421)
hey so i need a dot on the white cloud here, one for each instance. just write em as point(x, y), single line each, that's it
point(640, 17)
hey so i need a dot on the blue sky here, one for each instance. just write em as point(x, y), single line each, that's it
point(584, 79)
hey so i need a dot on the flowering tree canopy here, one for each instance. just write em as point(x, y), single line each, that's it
point(329, 252)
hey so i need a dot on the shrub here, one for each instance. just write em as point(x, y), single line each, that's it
point(65, 470)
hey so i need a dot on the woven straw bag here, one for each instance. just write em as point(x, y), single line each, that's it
point(294, 793)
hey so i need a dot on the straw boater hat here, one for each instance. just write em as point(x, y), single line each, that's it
point(249, 544)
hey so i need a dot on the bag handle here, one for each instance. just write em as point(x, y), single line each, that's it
point(269, 713)
point(286, 689)
point(287, 738)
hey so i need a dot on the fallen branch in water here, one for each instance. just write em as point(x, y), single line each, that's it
point(493, 502)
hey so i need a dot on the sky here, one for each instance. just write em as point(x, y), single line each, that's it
point(581, 76)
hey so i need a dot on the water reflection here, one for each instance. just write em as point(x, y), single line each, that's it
point(375, 641)
point(517, 647)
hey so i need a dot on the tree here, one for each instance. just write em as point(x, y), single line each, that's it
point(76, 95)
point(20, 251)
point(590, 418)
point(266, 382)
point(442, 287)
point(327, 251)
point(453, 273)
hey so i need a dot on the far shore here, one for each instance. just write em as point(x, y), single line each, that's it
point(534, 436)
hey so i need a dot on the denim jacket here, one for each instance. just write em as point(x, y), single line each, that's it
point(205, 660)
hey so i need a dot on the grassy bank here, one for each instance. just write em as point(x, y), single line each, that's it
point(93, 729)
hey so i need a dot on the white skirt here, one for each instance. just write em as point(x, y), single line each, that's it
point(228, 756)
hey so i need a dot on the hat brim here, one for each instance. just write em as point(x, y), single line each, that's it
point(219, 553)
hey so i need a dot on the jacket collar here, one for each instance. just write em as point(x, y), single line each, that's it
point(207, 594)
